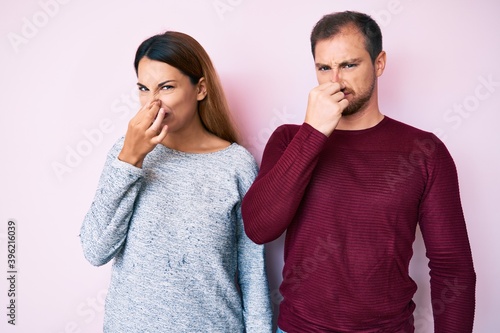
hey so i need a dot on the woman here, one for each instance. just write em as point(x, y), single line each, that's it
point(167, 206)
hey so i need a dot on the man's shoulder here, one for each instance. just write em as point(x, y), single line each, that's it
point(403, 125)
point(284, 133)
point(287, 128)
point(406, 130)
point(405, 136)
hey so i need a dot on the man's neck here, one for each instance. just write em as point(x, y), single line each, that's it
point(363, 119)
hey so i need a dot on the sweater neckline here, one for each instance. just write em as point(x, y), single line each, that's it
point(378, 126)
point(188, 154)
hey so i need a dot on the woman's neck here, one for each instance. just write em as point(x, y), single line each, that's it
point(195, 141)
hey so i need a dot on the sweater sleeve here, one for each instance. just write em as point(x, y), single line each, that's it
point(287, 165)
point(252, 276)
point(442, 222)
point(105, 225)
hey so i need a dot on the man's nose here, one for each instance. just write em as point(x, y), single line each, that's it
point(335, 76)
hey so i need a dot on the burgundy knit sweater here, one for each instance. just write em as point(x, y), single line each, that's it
point(350, 204)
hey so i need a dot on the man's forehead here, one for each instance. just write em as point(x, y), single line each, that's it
point(347, 32)
point(340, 49)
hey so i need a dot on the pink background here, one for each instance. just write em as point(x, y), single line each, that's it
point(68, 91)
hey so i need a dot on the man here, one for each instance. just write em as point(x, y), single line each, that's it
point(349, 187)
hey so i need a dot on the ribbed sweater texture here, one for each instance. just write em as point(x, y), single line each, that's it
point(182, 262)
point(350, 205)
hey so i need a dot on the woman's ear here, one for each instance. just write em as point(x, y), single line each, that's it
point(201, 87)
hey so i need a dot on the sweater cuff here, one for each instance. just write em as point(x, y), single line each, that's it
point(125, 171)
point(311, 135)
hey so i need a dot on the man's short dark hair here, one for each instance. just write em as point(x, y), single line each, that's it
point(330, 25)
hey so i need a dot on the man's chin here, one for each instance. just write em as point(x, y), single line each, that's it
point(349, 111)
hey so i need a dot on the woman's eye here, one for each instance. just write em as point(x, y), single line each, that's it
point(143, 88)
point(167, 87)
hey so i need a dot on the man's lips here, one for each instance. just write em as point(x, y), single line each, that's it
point(347, 93)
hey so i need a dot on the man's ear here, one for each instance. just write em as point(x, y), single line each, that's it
point(380, 63)
point(201, 87)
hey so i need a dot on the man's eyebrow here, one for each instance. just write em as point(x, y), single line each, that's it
point(350, 61)
point(319, 64)
point(343, 63)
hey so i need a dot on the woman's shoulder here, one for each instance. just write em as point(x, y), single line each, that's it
point(116, 146)
point(238, 154)
point(243, 165)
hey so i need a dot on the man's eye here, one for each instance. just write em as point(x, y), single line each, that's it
point(323, 68)
point(350, 66)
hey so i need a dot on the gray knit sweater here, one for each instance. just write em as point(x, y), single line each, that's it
point(175, 230)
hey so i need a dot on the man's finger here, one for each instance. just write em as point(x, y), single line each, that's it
point(343, 103)
point(338, 96)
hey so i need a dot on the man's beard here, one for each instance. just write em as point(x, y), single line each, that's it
point(359, 103)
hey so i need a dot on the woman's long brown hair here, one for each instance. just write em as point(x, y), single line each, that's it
point(183, 52)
